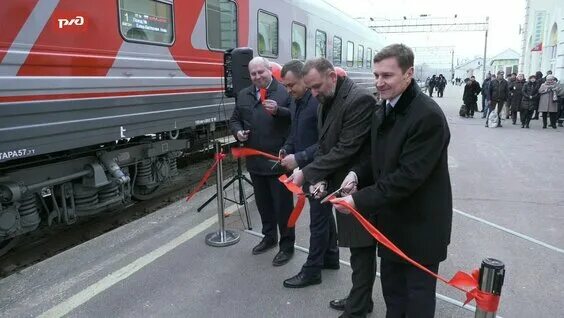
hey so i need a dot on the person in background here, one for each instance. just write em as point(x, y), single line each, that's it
point(470, 96)
point(264, 125)
point(441, 84)
point(298, 151)
point(548, 101)
point(530, 92)
point(540, 80)
point(511, 78)
point(515, 96)
point(485, 94)
point(432, 84)
point(499, 92)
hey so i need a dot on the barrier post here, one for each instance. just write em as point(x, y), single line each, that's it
point(492, 273)
point(222, 237)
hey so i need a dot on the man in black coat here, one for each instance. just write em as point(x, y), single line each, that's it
point(264, 125)
point(470, 96)
point(409, 191)
point(343, 125)
point(499, 94)
point(299, 151)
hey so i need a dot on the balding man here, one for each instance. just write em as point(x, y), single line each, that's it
point(263, 123)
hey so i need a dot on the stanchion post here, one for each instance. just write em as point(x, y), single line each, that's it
point(222, 237)
point(492, 273)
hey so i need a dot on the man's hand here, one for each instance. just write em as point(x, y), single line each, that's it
point(297, 178)
point(341, 208)
point(271, 106)
point(318, 190)
point(243, 135)
point(289, 162)
point(349, 184)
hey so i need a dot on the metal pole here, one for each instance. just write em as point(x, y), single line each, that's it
point(485, 48)
point(452, 65)
point(492, 273)
point(222, 237)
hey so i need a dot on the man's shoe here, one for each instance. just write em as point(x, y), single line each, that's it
point(339, 304)
point(282, 258)
point(302, 280)
point(263, 246)
point(331, 266)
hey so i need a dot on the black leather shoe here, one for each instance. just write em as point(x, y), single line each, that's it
point(331, 266)
point(339, 304)
point(282, 258)
point(263, 246)
point(302, 280)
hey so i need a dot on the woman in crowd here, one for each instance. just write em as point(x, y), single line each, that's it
point(530, 93)
point(515, 96)
point(548, 103)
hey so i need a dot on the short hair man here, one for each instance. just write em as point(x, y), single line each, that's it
point(299, 150)
point(264, 125)
point(470, 96)
point(499, 94)
point(408, 186)
point(344, 119)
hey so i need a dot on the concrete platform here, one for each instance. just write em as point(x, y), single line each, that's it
point(160, 266)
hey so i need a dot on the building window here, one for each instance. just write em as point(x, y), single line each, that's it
point(350, 54)
point(298, 41)
point(369, 58)
point(267, 34)
point(221, 24)
point(360, 56)
point(320, 44)
point(337, 50)
point(146, 21)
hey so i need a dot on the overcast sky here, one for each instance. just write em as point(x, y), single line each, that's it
point(505, 18)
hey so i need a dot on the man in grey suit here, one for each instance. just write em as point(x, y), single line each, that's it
point(344, 124)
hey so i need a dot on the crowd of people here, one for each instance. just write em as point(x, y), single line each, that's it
point(437, 83)
point(385, 157)
point(514, 97)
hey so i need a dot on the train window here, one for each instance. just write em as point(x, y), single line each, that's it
point(368, 57)
point(320, 44)
point(350, 54)
point(221, 24)
point(298, 41)
point(337, 50)
point(148, 21)
point(360, 56)
point(267, 34)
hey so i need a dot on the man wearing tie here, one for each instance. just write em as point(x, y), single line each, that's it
point(261, 120)
point(408, 188)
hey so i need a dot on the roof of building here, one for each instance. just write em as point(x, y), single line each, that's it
point(508, 54)
point(474, 63)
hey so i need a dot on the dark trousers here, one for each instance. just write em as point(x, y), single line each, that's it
point(408, 291)
point(323, 238)
point(440, 92)
point(552, 116)
point(363, 264)
point(499, 105)
point(275, 204)
point(471, 106)
point(431, 88)
point(525, 116)
point(484, 106)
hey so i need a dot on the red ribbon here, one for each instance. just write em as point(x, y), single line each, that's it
point(468, 283)
point(299, 205)
point(262, 93)
point(207, 175)
point(247, 152)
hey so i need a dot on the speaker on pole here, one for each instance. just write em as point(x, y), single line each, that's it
point(236, 70)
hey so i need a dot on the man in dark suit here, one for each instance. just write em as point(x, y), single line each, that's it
point(264, 125)
point(410, 191)
point(299, 149)
point(344, 123)
point(499, 94)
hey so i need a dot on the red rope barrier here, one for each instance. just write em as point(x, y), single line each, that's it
point(207, 175)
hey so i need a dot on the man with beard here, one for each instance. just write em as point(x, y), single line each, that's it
point(264, 125)
point(409, 191)
point(344, 116)
point(298, 152)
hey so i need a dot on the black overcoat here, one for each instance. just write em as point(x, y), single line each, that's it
point(410, 193)
point(341, 137)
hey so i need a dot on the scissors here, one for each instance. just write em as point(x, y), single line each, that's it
point(281, 155)
point(338, 191)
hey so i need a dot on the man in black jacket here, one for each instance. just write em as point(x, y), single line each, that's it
point(499, 94)
point(470, 96)
point(409, 189)
point(344, 124)
point(299, 151)
point(264, 125)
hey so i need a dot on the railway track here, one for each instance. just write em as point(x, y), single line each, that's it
point(43, 244)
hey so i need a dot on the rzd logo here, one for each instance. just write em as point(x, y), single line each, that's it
point(78, 20)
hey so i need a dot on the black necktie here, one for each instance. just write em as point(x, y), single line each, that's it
point(388, 108)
